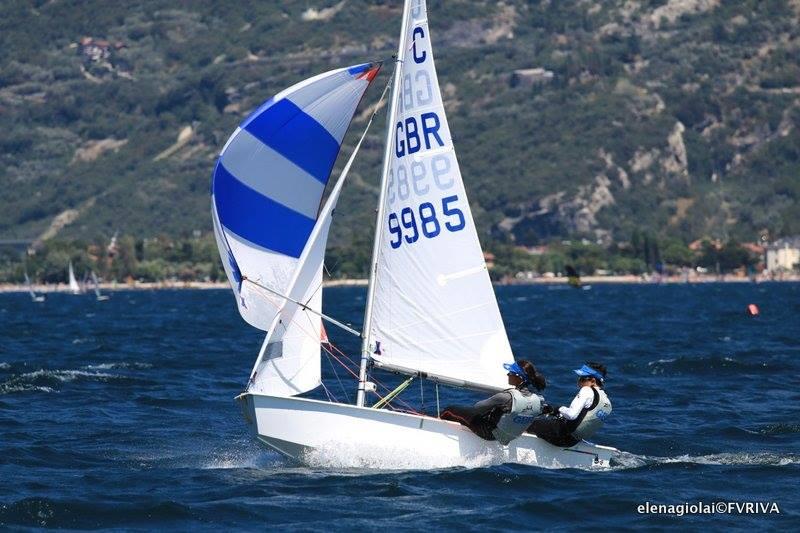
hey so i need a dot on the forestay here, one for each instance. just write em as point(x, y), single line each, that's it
point(434, 309)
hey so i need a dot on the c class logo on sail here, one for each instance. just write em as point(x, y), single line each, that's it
point(418, 58)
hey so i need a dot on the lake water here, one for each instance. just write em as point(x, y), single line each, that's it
point(120, 414)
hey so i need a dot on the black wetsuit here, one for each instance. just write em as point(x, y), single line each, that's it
point(483, 416)
point(557, 430)
point(554, 429)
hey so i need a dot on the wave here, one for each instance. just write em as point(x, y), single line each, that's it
point(738, 458)
point(628, 460)
point(48, 380)
point(766, 430)
point(236, 459)
point(707, 365)
point(776, 429)
point(122, 365)
point(52, 513)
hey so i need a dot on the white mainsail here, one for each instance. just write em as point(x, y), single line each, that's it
point(29, 286)
point(35, 297)
point(74, 288)
point(433, 309)
point(266, 192)
point(96, 284)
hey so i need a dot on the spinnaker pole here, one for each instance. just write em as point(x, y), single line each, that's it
point(376, 243)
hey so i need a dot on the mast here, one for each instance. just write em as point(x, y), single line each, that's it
point(396, 83)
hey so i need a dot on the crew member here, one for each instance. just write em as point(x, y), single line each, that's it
point(567, 426)
point(504, 416)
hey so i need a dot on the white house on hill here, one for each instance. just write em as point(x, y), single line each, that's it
point(784, 255)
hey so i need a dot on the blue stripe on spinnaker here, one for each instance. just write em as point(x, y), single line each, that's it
point(257, 112)
point(358, 69)
point(285, 128)
point(258, 219)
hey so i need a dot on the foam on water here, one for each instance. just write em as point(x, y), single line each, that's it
point(629, 461)
point(121, 365)
point(377, 457)
point(737, 458)
point(716, 364)
point(363, 456)
point(242, 455)
point(43, 379)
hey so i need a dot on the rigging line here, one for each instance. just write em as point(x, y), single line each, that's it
point(387, 389)
point(328, 270)
point(304, 307)
point(349, 163)
point(344, 355)
point(331, 397)
point(341, 363)
point(407, 406)
point(351, 372)
point(335, 373)
point(339, 184)
point(421, 396)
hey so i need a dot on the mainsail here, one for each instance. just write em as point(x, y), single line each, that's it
point(266, 192)
point(96, 285)
point(74, 288)
point(433, 309)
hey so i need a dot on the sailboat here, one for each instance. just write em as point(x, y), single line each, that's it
point(100, 297)
point(574, 279)
point(431, 312)
point(74, 288)
point(38, 298)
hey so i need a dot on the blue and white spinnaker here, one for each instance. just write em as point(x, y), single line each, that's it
point(268, 184)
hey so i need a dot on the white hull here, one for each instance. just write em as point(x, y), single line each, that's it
point(341, 435)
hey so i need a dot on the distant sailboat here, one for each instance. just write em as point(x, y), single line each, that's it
point(38, 298)
point(574, 279)
point(74, 288)
point(431, 311)
point(100, 297)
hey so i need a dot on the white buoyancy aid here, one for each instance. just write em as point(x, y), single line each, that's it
point(591, 418)
point(524, 408)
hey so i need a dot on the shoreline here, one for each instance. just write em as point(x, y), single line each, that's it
point(356, 282)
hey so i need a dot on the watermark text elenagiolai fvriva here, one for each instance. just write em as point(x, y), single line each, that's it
point(720, 507)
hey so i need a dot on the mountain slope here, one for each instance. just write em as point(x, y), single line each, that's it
point(679, 117)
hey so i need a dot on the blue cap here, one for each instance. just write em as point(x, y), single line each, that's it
point(587, 371)
point(517, 370)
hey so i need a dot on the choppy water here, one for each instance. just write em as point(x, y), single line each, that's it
point(120, 414)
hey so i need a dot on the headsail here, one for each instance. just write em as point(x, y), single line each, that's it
point(434, 309)
point(289, 360)
point(266, 193)
point(269, 180)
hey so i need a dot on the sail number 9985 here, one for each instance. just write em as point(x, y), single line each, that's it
point(409, 225)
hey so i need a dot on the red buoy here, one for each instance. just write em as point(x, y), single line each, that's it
point(752, 310)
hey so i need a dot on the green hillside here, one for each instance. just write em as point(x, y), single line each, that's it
point(676, 118)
